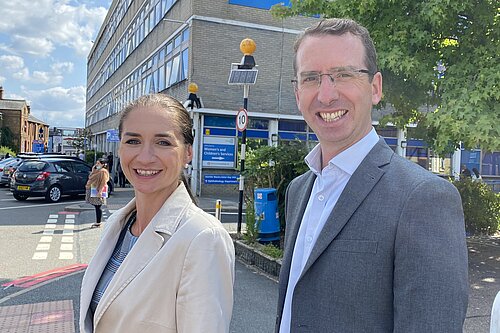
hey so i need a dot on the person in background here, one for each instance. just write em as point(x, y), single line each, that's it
point(81, 155)
point(163, 264)
point(7, 155)
point(110, 162)
point(98, 179)
point(465, 172)
point(476, 176)
point(121, 175)
point(373, 242)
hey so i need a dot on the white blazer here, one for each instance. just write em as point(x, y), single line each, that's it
point(178, 277)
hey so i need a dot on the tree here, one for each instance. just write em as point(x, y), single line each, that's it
point(80, 140)
point(439, 60)
point(7, 138)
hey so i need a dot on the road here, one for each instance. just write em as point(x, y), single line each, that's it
point(37, 237)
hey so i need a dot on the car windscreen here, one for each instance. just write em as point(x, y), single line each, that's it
point(32, 166)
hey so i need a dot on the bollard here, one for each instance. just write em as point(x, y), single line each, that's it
point(218, 209)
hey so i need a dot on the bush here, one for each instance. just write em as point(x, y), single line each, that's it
point(481, 207)
point(274, 167)
point(4, 150)
point(89, 156)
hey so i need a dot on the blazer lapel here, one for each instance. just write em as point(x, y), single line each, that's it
point(359, 186)
point(156, 234)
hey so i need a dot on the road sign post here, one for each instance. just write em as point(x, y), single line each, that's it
point(244, 74)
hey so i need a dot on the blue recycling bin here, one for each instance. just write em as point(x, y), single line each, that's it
point(266, 215)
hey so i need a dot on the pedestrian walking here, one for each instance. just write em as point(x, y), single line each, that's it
point(110, 162)
point(96, 189)
point(373, 242)
point(163, 264)
point(476, 176)
point(81, 155)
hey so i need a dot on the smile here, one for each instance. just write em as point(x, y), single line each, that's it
point(146, 173)
point(332, 116)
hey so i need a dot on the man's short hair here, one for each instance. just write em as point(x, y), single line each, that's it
point(339, 27)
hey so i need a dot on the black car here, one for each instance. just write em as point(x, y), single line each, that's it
point(50, 177)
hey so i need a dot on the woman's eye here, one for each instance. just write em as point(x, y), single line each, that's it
point(164, 143)
point(132, 141)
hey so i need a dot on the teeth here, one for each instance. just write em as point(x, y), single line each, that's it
point(146, 172)
point(329, 117)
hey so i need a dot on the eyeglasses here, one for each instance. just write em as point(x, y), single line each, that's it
point(339, 78)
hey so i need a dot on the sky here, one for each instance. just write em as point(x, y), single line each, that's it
point(44, 46)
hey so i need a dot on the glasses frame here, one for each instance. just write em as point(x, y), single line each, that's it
point(295, 82)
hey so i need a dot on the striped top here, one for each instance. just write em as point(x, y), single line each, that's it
point(125, 243)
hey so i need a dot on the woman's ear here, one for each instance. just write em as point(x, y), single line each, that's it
point(188, 154)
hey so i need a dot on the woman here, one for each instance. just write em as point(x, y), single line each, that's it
point(163, 265)
point(98, 179)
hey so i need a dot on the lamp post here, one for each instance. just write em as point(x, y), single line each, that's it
point(243, 74)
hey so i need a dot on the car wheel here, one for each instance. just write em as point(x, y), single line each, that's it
point(53, 194)
point(20, 197)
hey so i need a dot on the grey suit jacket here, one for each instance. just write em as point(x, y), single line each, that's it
point(391, 257)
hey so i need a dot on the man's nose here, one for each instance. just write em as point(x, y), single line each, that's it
point(327, 90)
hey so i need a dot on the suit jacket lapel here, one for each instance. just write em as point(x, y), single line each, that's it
point(359, 186)
point(156, 234)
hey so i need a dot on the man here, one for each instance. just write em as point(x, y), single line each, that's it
point(465, 172)
point(110, 162)
point(373, 242)
point(81, 155)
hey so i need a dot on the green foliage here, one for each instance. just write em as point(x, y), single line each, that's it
point(411, 37)
point(252, 228)
point(89, 156)
point(274, 167)
point(4, 150)
point(481, 206)
point(79, 141)
point(272, 251)
point(7, 138)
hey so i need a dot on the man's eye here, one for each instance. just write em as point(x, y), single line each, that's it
point(344, 75)
point(310, 79)
point(132, 142)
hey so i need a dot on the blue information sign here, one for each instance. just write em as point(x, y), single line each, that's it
point(221, 179)
point(219, 152)
point(38, 146)
point(112, 136)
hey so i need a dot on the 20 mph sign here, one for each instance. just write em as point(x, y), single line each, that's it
point(242, 120)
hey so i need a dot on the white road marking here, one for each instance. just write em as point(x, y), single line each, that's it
point(40, 255)
point(46, 239)
point(65, 255)
point(50, 226)
point(67, 239)
point(69, 221)
point(70, 216)
point(48, 232)
point(69, 226)
point(53, 216)
point(41, 205)
point(43, 247)
point(68, 232)
point(66, 247)
point(52, 221)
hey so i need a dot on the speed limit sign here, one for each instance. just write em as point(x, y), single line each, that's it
point(242, 120)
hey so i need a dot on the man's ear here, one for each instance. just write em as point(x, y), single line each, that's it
point(376, 88)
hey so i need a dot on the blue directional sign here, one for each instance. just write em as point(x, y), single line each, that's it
point(38, 146)
point(219, 152)
point(221, 179)
point(112, 136)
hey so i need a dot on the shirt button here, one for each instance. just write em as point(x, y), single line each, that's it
point(321, 197)
point(309, 239)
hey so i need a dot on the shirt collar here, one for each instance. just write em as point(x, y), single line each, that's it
point(349, 159)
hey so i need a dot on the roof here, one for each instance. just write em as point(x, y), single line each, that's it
point(12, 104)
point(34, 119)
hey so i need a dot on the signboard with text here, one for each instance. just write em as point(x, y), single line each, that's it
point(112, 136)
point(219, 152)
point(221, 179)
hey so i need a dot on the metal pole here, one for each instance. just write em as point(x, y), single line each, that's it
point(218, 208)
point(246, 88)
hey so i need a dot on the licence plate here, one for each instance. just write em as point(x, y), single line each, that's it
point(23, 188)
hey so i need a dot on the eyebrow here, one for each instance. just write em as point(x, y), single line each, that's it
point(159, 135)
point(330, 70)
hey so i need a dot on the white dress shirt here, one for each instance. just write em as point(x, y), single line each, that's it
point(327, 188)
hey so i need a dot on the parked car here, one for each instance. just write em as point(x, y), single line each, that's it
point(8, 169)
point(50, 177)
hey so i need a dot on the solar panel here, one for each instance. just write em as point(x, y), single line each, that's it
point(242, 76)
